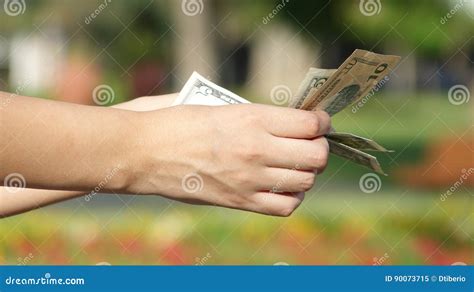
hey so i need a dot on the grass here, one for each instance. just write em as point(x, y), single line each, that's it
point(405, 124)
point(396, 120)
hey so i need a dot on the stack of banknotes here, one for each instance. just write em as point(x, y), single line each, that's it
point(330, 90)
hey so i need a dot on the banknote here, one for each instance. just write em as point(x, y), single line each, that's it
point(353, 80)
point(356, 142)
point(313, 80)
point(355, 156)
point(200, 91)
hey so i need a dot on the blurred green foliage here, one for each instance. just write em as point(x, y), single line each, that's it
point(408, 23)
point(411, 23)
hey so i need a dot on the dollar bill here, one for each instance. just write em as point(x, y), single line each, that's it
point(200, 91)
point(353, 79)
point(356, 142)
point(313, 80)
point(355, 156)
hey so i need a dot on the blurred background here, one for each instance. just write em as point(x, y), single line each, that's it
point(421, 213)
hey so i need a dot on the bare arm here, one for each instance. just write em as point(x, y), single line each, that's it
point(19, 200)
point(221, 156)
point(22, 200)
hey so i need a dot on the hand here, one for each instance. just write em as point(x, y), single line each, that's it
point(250, 157)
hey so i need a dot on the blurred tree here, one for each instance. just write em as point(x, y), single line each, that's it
point(416, 24)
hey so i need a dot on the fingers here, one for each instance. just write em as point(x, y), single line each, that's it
point(276, 204)
point(279, 180)
point(297, 153)
point(293, 123)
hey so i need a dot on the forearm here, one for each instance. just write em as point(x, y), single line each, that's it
point(148, 103)
point(21, 200)
point(42, 140)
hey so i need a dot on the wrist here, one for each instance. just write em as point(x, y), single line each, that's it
point(138, 160)
point(120, 174)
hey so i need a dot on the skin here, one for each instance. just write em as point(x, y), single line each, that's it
point(22, 200)
point(251, 157)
